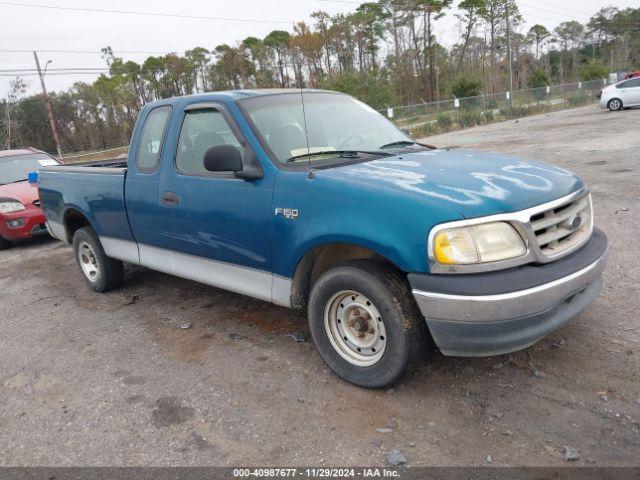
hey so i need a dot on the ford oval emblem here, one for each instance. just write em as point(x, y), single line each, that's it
point(575, 222)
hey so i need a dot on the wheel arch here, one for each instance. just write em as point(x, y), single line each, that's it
point(74, 219)
point(320, 258)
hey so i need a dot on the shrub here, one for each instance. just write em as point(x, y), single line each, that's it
point(466, 87)
point(519, 112)
point(488, 116)
point(579, 98)
point(538, 80)
point(444, 121)
point(593, 71)
point(469, 119)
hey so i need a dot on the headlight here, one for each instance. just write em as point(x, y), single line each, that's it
point(9, 207)
point(482, 243)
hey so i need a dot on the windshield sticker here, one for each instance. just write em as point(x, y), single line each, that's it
point(296, 152)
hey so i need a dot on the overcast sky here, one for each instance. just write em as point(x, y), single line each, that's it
point(30, 28)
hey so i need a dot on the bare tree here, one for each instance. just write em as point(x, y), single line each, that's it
point(17, 88)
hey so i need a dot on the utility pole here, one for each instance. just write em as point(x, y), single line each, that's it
point(506, 14)
point(8, 123)
point(47, 102)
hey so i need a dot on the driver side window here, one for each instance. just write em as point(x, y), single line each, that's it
point(201, 130)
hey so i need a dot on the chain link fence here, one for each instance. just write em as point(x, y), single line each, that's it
point(438, 117)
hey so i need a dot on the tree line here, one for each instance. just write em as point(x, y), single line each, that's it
point(385, 53)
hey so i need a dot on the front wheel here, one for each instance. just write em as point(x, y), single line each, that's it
point(365, 323)
point(101, 273)
point(614, 104)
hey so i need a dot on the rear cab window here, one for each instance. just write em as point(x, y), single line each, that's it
point(151, 138)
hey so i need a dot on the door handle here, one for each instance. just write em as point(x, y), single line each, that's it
point(171, 199)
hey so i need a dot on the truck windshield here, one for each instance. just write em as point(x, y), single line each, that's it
point(17, 167)
point(334, 124)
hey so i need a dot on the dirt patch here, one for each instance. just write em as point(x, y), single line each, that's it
point(169, 411)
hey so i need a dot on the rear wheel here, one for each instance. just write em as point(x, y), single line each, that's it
point(101, 273)
point(614, 104)
point(4, 243)
point(365, 323)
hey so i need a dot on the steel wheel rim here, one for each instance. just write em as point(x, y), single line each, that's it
point(88, 262)
point(355, 328)
point(615, 104)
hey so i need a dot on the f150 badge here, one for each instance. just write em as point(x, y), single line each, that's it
point(288, 213)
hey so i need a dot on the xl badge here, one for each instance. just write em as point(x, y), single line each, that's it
point(288, 213)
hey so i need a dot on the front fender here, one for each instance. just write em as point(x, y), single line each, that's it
point(385, 221)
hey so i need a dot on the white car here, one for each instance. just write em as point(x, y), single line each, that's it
point(621, 95)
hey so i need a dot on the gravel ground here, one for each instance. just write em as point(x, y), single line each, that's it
point(119, 379)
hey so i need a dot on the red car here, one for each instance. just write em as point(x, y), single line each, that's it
point(631, 75)
point(20, 213)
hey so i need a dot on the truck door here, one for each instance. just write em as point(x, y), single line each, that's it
point(141, 185)
point(218, 224)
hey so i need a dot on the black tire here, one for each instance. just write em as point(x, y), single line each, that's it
point(4, 243)
point(407, 338)
point(109, 272)
point(615, 104)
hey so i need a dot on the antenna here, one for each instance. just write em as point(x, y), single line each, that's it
point(306, 134)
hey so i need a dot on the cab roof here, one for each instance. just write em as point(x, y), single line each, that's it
point(236, 95)
point(19, 151)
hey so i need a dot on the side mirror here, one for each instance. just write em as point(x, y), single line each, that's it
point(223, 158)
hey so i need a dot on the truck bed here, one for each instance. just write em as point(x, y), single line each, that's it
point(94, 190)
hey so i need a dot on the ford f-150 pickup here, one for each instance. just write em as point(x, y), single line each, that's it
point(309, 198)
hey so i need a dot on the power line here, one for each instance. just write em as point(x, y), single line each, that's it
point(148, 14)
point(144, 52)
point(537, 7)
point(35, 74)
point(61, 69)
point(82, 70)
point(554, 11)
point(631, 24)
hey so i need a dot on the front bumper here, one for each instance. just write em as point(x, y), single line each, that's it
point(504, 311)
point(33, 224)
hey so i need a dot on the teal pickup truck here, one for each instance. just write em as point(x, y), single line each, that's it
point(310, 199)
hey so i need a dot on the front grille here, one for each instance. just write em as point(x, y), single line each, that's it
point(562, 228)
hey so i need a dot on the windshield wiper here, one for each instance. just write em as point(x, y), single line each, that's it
point(18, 181)
point(399, 143)
point(336, 153)
point(407, 143)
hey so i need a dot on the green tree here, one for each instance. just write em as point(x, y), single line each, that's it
point(472, 12)
point(594, 70)
point(538, 34)
point(278, 40)
point(466, 87)
point(569, 35)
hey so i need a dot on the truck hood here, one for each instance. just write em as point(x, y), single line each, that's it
point(24, 192)
point(472, 183)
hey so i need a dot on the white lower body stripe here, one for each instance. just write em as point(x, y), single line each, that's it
point(247, 281)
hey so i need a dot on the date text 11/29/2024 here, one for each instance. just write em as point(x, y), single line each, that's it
point(313, 472)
